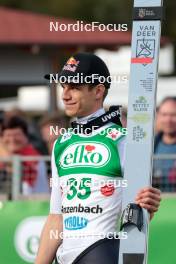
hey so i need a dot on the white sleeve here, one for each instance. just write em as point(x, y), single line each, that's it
point(55, 200)
point(121, 150)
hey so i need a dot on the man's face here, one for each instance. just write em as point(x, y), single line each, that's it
point(79, 100)
point(14, 140)
point(167, 117)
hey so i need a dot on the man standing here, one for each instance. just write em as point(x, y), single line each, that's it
point(87, 165)
point(165, 143)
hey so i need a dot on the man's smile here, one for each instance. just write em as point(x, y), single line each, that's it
point(69, 104)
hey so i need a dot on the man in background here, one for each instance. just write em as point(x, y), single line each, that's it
point(50, 126)
point(165, 143)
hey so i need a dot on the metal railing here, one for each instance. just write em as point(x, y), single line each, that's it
point(17, 172)
point(164, 172)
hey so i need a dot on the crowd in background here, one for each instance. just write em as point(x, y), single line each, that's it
point(22, 136)
point(25, 137)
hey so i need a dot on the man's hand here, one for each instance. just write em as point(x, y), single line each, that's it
point(149, 198)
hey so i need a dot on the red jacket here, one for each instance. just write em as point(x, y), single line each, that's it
point(29, 168)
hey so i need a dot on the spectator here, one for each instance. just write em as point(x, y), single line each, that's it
point(3, 151)
point(172, 178)
point(5, 180)
point(33, 132)
point(15, 139)
point(157, 122)
point(165, 142)
point(50, 128)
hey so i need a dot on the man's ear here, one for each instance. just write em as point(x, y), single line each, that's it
point(100, 89)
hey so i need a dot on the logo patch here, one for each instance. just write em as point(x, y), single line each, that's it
point(109, 116)
point(114, 134)
point(141, 12)
point(145, 50)
point(87, 154)
point(107, 190)
point(71, 65)
point(72, 61)
point(75, 223)
point(65, 137)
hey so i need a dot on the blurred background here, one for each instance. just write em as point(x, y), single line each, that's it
point(30, 106)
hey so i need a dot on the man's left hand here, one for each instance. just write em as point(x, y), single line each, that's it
point(149, 198)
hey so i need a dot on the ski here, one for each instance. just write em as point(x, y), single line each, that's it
point(147, 16)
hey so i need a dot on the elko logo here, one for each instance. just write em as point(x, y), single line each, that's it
point(75, 223)
point(27, 239)
point(87, 154)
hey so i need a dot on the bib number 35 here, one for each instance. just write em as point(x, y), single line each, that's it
point(81, 190)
